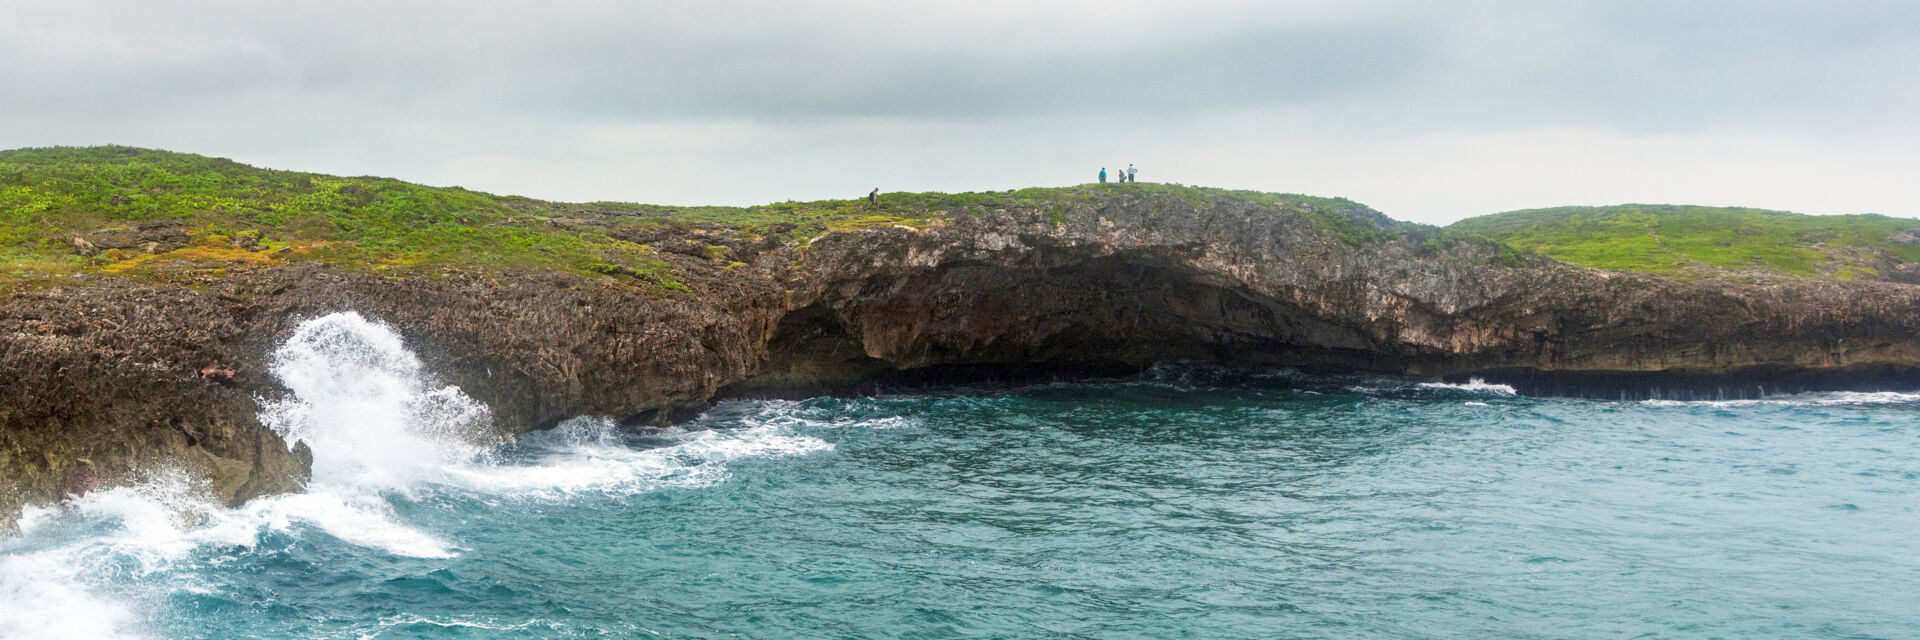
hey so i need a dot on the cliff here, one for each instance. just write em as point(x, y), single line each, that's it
point(144, 292)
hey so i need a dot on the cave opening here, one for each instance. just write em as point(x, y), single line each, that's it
point(1052, 314)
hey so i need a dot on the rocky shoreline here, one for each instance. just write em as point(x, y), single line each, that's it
point(110, 377)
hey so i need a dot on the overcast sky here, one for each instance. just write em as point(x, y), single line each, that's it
point(1429, 111)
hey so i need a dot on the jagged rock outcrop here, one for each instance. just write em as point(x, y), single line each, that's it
point(105, 377)
point(1125, 282)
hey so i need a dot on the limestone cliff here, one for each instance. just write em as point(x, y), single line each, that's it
point(106, 376)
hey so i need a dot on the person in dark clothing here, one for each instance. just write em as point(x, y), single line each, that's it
point(873, 198)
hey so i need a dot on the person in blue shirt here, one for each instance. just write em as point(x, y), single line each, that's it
point(1103, 175)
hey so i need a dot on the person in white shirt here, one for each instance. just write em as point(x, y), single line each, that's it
point(1130, 172)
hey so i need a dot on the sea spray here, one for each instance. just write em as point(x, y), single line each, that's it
point(591, 455)
point(50, 574)
point(381, 430)
point(42, 596)
point(360, 399)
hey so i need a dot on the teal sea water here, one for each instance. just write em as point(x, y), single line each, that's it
point(1174, 505)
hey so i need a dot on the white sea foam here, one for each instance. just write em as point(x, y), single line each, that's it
point(376, 425)
point(42, 596)
point(362, 402)
point(590, 458)
point(403, 621)
point(1473, 385)
point(48, 572)
point(359, 400)
point(358, 519)
point(378, 429)
point(1828, 398)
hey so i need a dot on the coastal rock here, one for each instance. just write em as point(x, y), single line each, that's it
point(158, 236)
point(1121, 283)
point(131, 376)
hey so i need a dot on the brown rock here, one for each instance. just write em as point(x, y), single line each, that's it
point(1110, 283)
point(162, 235)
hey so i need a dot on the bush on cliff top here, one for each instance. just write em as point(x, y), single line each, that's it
point(1669, 238)
point(49, 195)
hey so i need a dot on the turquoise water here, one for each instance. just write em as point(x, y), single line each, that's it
point(1172, 506)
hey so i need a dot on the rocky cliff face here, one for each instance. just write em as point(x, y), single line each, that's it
point(106, 379)
point(1128, 281)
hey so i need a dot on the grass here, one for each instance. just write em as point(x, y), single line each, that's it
point(1672, 238)
point(48, 195)
point(1344, 220)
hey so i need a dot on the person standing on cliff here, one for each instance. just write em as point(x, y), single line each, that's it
point(1103, 175)
point(1130, 172)
point(873, 198)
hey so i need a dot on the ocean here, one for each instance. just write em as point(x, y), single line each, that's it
point(1181, 503)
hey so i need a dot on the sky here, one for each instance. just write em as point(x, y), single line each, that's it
point(1427, 110)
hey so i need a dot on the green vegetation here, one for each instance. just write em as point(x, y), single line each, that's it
point(1342, 219)
point(49, 195)
point(1668, 238)
point(1345, 220)
point(237, 215)
point(787, 219)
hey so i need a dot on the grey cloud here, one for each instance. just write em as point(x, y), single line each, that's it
point(427, 87)
point(1617, 63)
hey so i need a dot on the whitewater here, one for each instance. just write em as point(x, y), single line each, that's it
point(1178, 503)
point(380, 432)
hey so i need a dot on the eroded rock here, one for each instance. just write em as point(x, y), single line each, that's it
point(127, 375)
point(158, 236)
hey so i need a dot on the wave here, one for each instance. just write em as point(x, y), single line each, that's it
point(1813, 399)
point(1395, 387)
point(587, 454)
point(380, 430)
point(430, 625)
point(51, 572)
point(361, 400)
point(1472, 385)
point(44, 596)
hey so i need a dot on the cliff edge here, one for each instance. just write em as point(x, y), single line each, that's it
point(143, 293)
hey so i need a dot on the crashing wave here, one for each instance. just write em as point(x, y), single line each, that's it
point(1472, 385)
point(379, 430)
